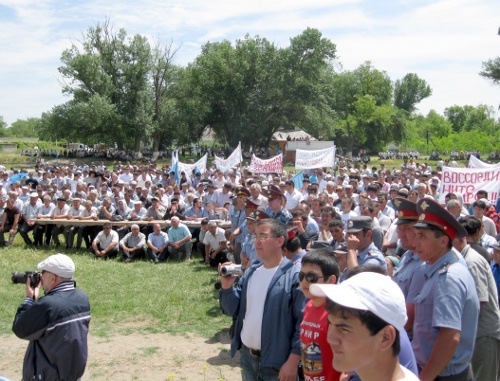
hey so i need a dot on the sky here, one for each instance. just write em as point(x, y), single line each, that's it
point(443, 41)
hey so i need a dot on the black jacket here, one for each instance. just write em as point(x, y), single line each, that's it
point(57, 327)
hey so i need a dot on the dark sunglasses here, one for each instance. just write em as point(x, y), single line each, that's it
point(310, 277)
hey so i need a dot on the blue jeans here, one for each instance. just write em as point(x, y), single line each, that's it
point(251, 369)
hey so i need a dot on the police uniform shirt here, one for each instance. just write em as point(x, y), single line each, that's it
point(282, 216)
point(370, 255)
point(448, 299)
point(407, 273)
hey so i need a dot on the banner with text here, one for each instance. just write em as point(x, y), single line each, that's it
point(467, 181)
point(232, 161)
point(272, 165)
point(315, 159)
point(201, 165)
point(474, 162)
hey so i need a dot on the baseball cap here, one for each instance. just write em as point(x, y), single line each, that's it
point(368, 291)
point(58, 264)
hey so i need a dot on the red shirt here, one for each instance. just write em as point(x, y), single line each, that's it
point(317, 355)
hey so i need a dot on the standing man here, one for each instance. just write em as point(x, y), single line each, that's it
point(367, 317)
point(276, 201)
point(447, 307)
point(361, 248)
point(56, 325)
point(406, 275)
point(268, 307)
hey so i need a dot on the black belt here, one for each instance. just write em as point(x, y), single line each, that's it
point(254, 352)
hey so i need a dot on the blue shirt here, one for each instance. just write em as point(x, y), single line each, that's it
point(158, 240)
point(448, 299)
point(176, 234)
point(406, 275)
point(370, 255)
point(202, 213)
point(495, 268)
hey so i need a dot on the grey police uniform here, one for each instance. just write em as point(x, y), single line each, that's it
point(448, 299)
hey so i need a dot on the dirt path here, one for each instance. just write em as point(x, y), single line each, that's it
point(141, 357)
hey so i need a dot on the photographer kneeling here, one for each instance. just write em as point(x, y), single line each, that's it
point(56, 325)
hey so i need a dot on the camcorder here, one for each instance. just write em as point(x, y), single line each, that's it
point(33, 276)
point(231, 270)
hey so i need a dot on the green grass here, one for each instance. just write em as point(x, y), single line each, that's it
point(174, 297)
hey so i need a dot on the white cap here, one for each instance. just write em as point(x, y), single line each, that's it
point(370, 291)
point(58, 264)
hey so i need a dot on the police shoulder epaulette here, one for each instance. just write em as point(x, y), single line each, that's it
point(373, 253)
point(444, 269)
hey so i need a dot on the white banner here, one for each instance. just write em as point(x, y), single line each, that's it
point(232, 161)
point(315, 159)
point(474, 162)
point(188, 168)
point(467, 181)
point(272, 165)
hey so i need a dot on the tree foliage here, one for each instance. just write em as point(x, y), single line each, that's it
point(253, 88)
point(491, 70)
point(363, 104)
point(410, 91)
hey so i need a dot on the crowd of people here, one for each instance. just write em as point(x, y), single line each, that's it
point(341, 236)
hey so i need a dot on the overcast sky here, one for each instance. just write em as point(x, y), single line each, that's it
point(443, 41)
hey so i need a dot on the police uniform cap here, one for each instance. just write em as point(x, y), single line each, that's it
point(273, 192)
point(258, 215)
point(433, 215)
point(342, 249)
point(252, 203)
point(406, 210)
point(241, 191)
point(356, 224)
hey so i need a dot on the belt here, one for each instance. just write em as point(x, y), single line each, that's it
point(254, 352)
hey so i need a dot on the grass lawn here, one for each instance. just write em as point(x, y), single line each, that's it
point(174, 297)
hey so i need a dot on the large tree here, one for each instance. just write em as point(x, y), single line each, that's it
point(253, 88)
point(363, 104)
point(116, 68)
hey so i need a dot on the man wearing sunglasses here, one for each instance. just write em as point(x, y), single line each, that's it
point(268, 308)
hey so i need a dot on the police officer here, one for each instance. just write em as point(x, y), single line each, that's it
point(361, 249)
point(276, 207)
point(447, 307)
point(406, 275)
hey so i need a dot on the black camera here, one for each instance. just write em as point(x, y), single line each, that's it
point(33, 276)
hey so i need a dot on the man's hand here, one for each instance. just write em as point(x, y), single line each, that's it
point(226, 281)
point(32, 293)
point(352, 242)
point(288, 371)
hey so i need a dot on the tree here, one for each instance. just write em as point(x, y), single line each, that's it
point(115, 68)
point(3, 127)
point(363, 104)
point(410, 91)
point(253, 88)
point(25, 128)
point(491, 70)
point(470, 118)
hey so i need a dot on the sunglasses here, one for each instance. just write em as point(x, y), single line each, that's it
point(310, 277)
